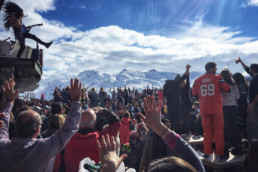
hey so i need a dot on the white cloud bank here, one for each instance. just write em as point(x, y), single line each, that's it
point(110, 49)
point(253, 2)
point(250, 3)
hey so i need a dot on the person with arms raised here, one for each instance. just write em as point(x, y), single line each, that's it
point(13, 18)
point(252, 117)
point(68, 160)
point(189, 161)
point(177, 93)
point(25, 153)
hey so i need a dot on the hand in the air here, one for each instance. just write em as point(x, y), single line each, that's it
point(9, 92)
point(152, 112)
point(11, 80)
point(238, 60)
point(75, 90)
point(188, 66)
point(107, 153)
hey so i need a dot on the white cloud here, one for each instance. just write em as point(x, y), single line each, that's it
point(250, 3)
point(253, 2)
point(32, 5)
point(110, 49)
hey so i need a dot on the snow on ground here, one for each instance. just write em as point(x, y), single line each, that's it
point(92, 78)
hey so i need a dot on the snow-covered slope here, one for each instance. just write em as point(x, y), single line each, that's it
point(91, 78)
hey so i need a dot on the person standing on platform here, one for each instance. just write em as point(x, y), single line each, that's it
point(230, 112)
point(252, 117)
point(208, 88)
point(176, 92)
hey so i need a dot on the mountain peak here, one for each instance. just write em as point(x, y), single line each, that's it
point(131, 78)
point(88, 72)
point(124, 70)
point(152, 70)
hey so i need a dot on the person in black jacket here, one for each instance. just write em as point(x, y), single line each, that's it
point(102, 97)
point(94, 98)
point(177, 92)
point(242, 103)
point(252, 117)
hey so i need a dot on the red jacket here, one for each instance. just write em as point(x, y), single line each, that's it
point(208, 88)
point(160, 95)
point(81, 146)
point(124, 131)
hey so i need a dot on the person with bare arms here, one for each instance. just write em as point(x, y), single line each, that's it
point(13, 18)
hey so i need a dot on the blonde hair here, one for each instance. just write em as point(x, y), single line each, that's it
point(56, 121)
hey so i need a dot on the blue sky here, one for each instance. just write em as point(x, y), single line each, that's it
point(109, 35)
point(163, 17)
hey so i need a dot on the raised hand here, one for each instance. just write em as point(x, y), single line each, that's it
point(11, 80)
point(238, 60)
point(188, 66)
point(107, 152)
point(152, 113)
point(75, 90)
point(9, 93)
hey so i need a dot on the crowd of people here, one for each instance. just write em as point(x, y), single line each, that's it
point(150, 129)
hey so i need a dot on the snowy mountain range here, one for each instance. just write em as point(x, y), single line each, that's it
point(92, 78)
